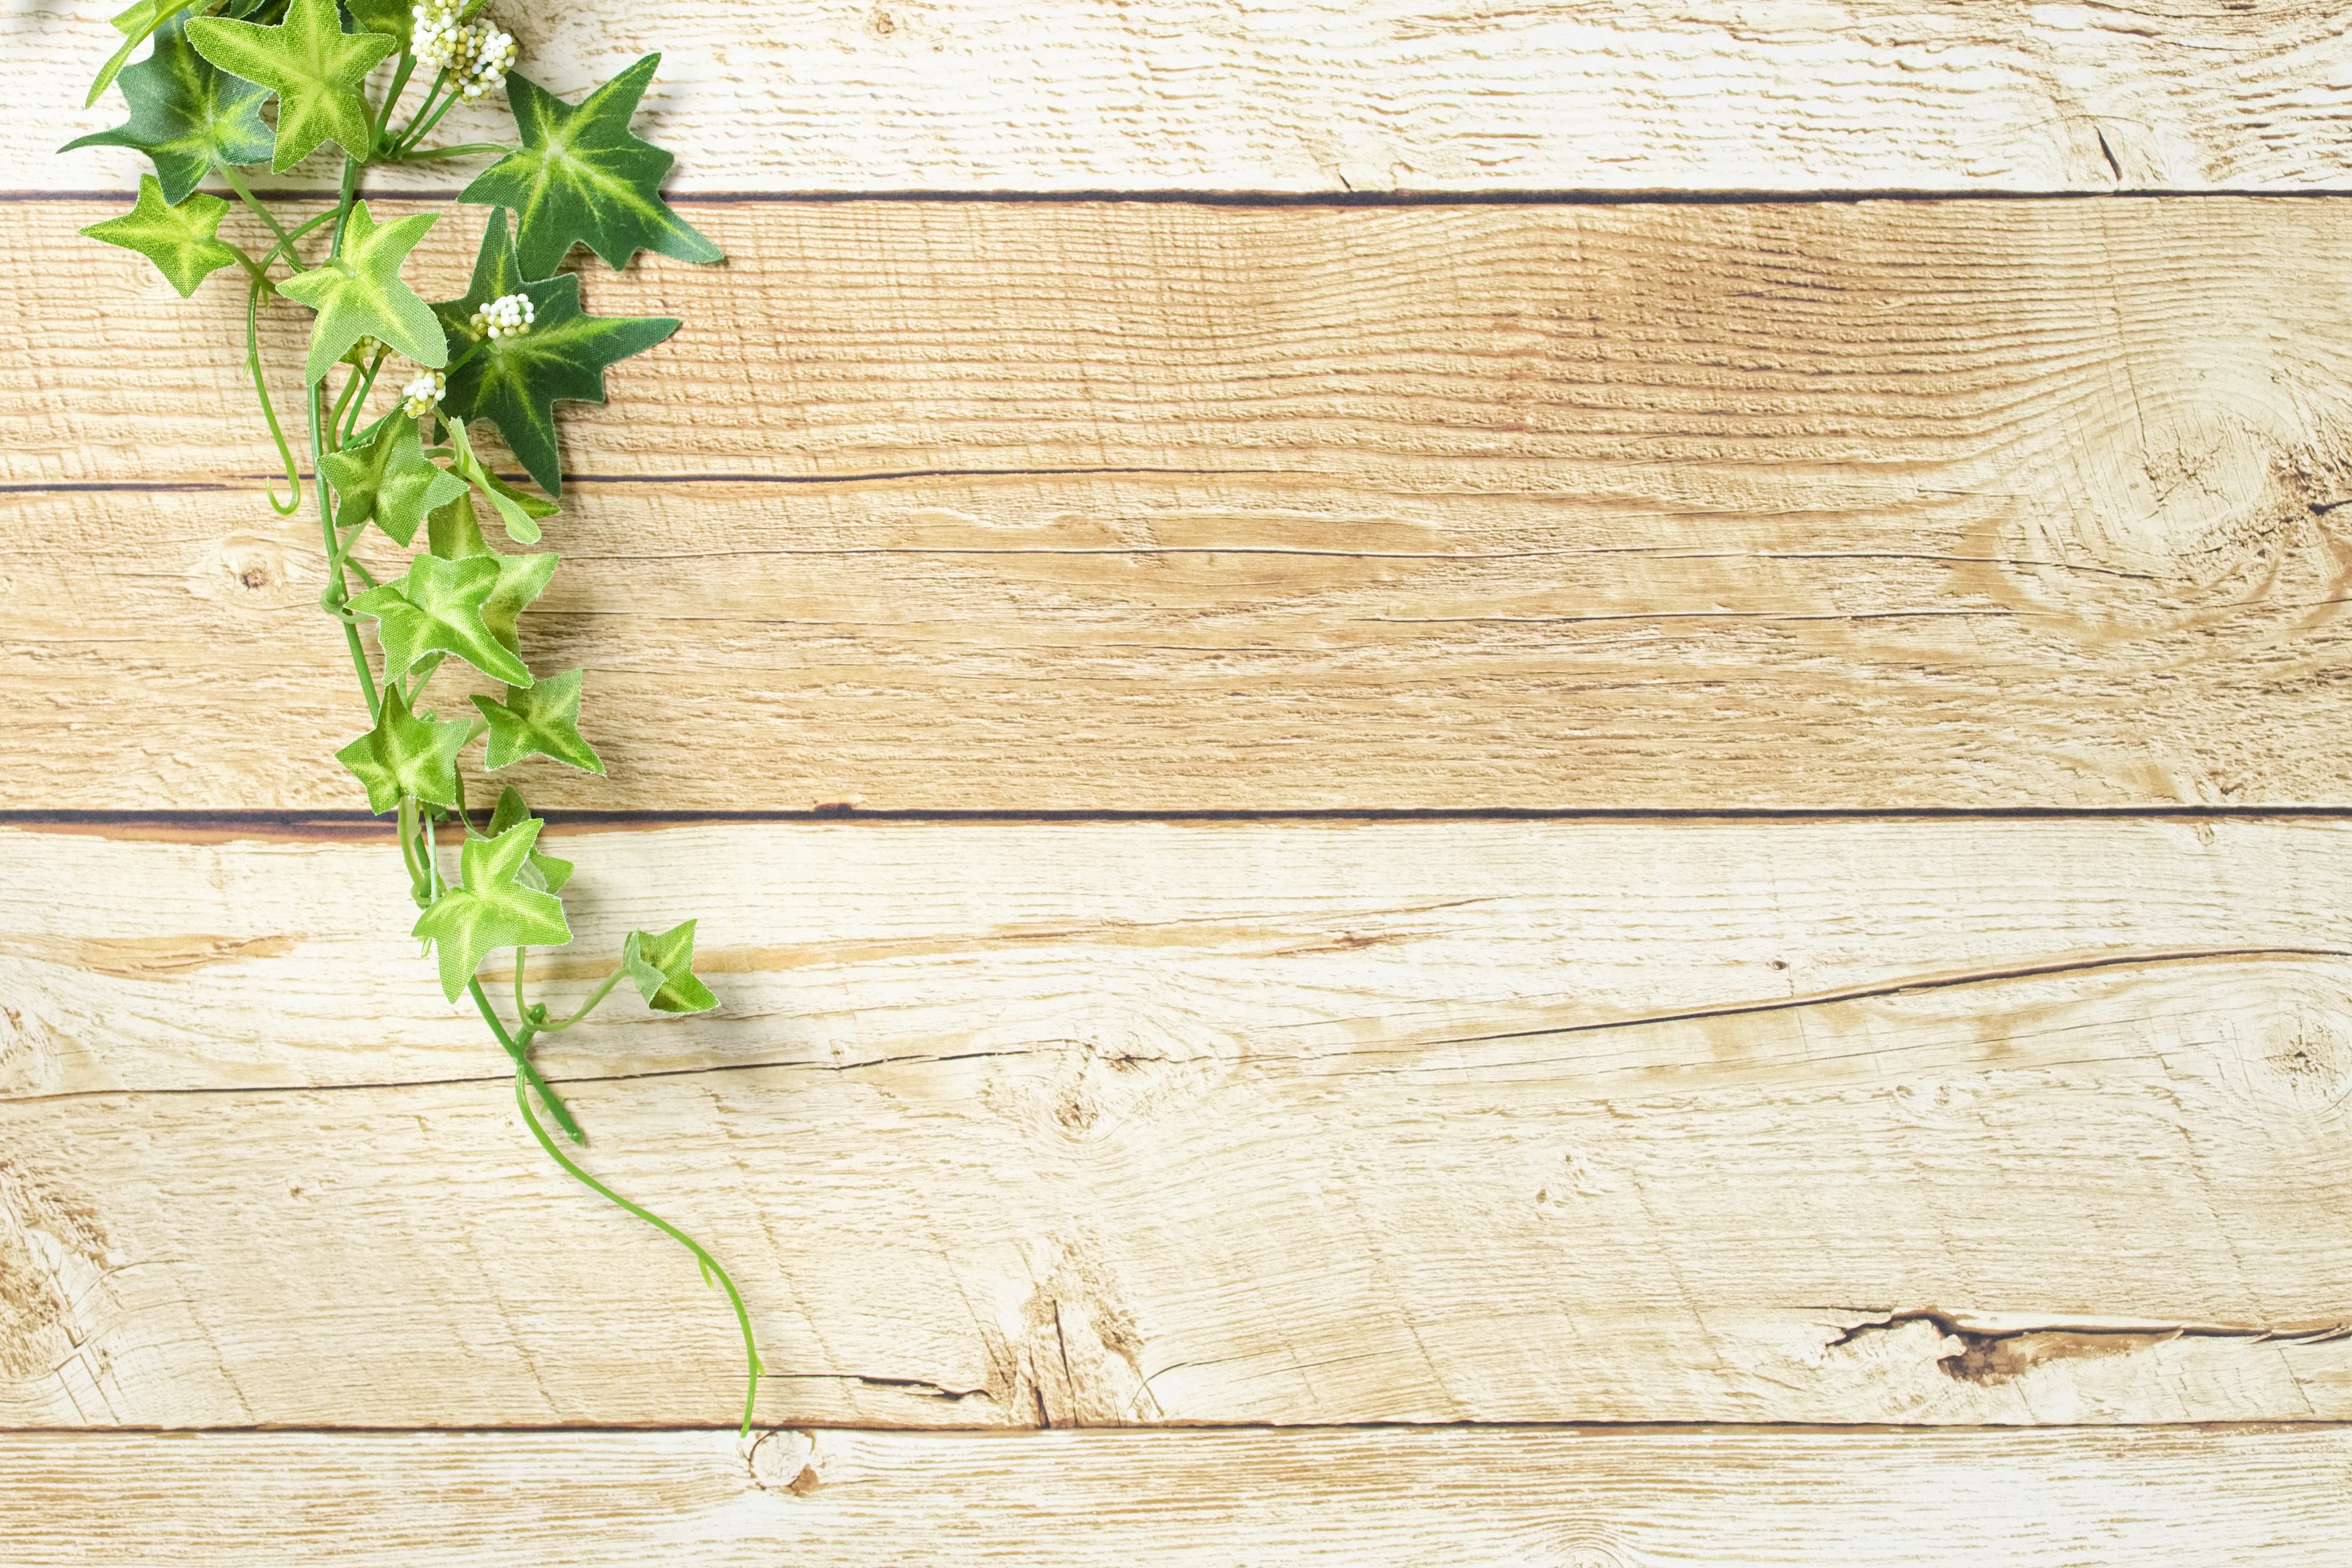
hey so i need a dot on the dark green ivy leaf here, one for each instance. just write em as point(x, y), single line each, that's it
point(186, 116)
point(437, 608)
point(580, 175)
point(358, 294)
point(514, 382)
point(663, 967)
point(541, 719)
point(177, 239)
point(135, 22)
point(313, 66)
point(390, 482)
point(551, 872)
point(407, 756)
point(490, 908)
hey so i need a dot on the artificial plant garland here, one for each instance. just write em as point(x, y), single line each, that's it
point(503, 354)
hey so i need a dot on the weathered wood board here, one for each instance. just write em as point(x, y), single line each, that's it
point(1388, 95)
point(1936, 1122)
point(1591, 1499)
point(1976, 1190)
point(1150, 508)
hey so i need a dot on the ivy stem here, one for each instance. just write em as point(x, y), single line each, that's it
point(525, 1068)
point(522, 1008)
point(409, 132)
point(343, 404)
point(244, 193)
point(338, 587)
point(293, 501)
point(466, 150)
point(711, 1266)
point(400, 76)
point(587, 1007)
point(420, 886)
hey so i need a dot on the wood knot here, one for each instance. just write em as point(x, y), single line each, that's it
point(783, 1460)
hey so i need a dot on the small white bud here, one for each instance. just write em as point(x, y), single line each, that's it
point(423, 395)
point(508, 316)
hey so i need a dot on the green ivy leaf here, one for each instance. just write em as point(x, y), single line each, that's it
point(313, 66)
point(177, 239)
point(663, 967)
point(518, 509)
point(521, 579)
point(437, 608)
point(551, 872)
point(513, 382)
point(490, 909)
point(391, 482)
point(407, 756)
point(579, 174)
point(358, 294)
point(135, 22)
point(395, 19)
point(186, 115)
point(453, 534)
point(542, 720)
point(544, 870)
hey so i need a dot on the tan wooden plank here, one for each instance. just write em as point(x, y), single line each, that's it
point(2041, 1123)
point(1971, 504)
point(1391, 95)
point(1589, 1499)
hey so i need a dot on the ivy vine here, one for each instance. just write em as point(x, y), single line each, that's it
point(502, 355)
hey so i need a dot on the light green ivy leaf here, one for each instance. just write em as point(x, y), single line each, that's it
point(390, 482)
point(177, 239)
point(490, 908)
point(579, 174)
point(395, 19)
point(437, 608)
point(454, 534)
point(519, 510)
point(358, 294)
point(542, 720)
point(521, 579)
point(551, 873)
point(186, 115)
point(513, 382)
point(315, 68)
point(405, 754)
point(663, 967)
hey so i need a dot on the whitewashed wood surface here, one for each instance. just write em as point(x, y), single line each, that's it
point(1081, 1124)
point(1398, 1499)
point(1377, 96)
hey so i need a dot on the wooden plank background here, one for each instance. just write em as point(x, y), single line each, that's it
point(1894, 1013)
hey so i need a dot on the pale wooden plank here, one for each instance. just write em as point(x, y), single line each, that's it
point(1494, 1122)
point(1979, 504)
point(1394, 95)
point(1591, 1499)
point(134, 962)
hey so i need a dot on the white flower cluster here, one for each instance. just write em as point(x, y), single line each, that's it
point(478, 55)
point(508, 316)
point(422, 395)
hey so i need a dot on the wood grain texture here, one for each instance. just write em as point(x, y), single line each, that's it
point(1163, 508)
point(1349, 1500)
point(1393, 95)
point(2039, 1123)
